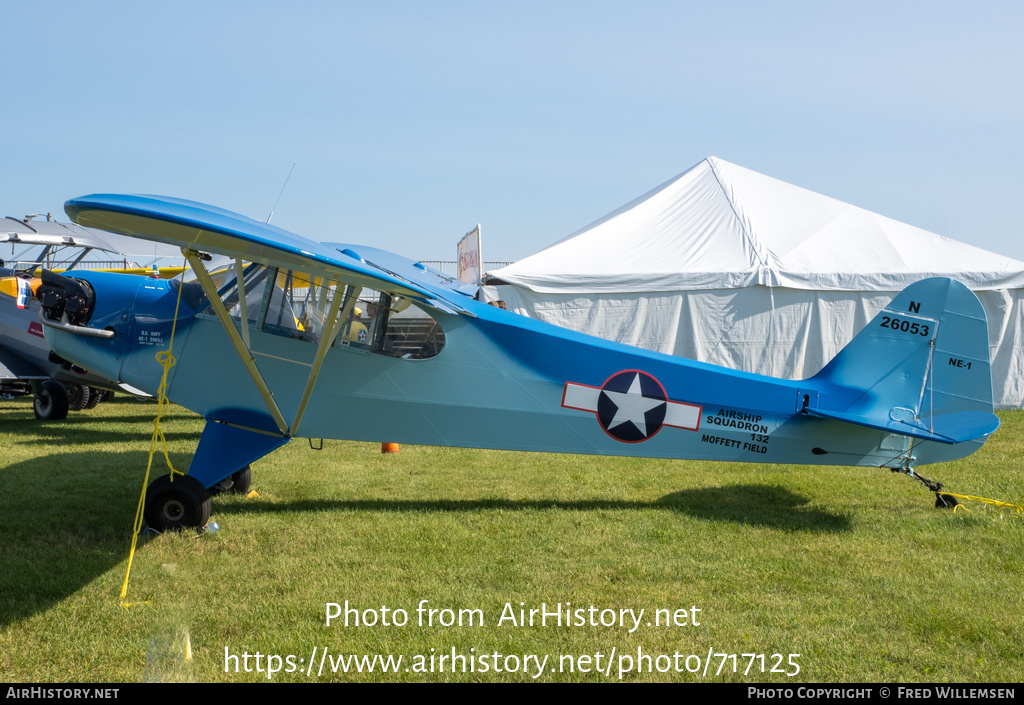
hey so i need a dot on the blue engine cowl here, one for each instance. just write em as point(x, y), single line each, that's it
point(138, 311)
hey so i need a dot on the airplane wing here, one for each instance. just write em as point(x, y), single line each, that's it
point(447, 291)
point(197, 226)
point(54, 233)
point(13, 366)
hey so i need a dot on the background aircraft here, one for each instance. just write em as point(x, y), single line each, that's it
point(26, 363)
point(267, 354)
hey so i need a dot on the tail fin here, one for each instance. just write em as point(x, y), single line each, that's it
point(920, 368)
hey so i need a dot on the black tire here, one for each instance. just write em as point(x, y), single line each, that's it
point(241, 481)
point(237, 483)
point(182, 504)
point(95, 397)
point(78, 396)
point(51, 401)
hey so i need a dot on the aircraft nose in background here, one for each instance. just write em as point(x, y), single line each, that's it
point(97, 342)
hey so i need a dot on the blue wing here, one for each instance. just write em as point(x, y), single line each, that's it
point(201, 227)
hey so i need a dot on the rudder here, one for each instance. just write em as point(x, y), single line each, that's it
point(920, 367)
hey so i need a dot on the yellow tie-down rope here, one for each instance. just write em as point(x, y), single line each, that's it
point(1019, 508)
point(166, 360)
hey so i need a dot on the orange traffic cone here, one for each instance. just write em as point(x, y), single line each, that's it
point(388, 447)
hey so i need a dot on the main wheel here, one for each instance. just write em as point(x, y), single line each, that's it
point(51, 401)
point(236, 483)
point(182, 504)
point(241, 480)
point(78, 396)
point(95, 397)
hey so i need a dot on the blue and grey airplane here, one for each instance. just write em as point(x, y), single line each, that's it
point(297, 338)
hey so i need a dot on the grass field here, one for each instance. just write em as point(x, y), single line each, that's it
point(851, 568)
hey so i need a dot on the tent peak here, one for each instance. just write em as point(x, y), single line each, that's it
point(719, 225)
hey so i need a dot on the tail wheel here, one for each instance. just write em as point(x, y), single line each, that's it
point(51, 401)
point(181, 504)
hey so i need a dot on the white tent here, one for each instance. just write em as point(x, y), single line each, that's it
point(728, 266)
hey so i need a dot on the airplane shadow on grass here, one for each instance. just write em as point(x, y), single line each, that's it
point(66, 518)
point(757, 505)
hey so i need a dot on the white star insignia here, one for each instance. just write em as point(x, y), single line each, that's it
point(631, 406)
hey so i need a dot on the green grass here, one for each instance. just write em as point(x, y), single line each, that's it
point(852, 568)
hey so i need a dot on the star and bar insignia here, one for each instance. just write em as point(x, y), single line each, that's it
point(631, 406)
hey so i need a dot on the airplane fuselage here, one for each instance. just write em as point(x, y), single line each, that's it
point(500, 381)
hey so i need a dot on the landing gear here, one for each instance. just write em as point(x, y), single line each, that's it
point(241, 480)
point(942, 501)
point(237, 483)
point(51, 401)
point(95, 397)
point(78, 396)
point(181, 504)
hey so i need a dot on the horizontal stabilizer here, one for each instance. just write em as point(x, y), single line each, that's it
point(963, 425)
point(955, 427)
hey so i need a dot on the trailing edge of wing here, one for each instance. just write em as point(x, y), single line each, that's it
point(447, 294)
point(955, 427)
point(14, 366)
point(198, 226)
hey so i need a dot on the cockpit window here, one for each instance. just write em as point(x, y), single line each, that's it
point(285, 306)
point(296, 305)
point(390, 325)
point(281, 302)
point(254, 281)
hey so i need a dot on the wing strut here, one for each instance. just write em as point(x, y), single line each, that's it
point(236, 339)
point(334, 326)
point(243, 305)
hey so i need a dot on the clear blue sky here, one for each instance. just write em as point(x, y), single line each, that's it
point(410, 122)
